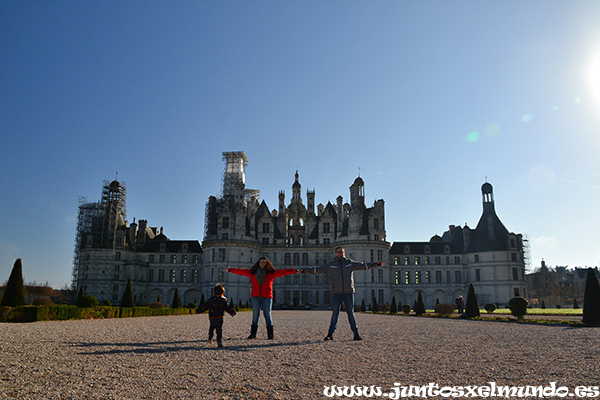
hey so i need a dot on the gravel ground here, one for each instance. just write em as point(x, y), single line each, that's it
point(169, 358)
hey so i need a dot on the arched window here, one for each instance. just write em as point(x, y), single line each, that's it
point(304, 258)
point(287, 259)
point(296, 259)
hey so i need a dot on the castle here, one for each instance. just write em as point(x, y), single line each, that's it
point(239, 229)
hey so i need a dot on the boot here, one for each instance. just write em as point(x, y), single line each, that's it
point(270, 332)
point(253, 329)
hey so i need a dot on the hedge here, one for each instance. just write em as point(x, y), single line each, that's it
point(64, 312)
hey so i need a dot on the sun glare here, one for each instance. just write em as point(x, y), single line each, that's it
point(594, 77)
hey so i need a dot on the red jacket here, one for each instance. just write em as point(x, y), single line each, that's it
point(266, 289)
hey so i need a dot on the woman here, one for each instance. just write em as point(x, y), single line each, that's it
point(261, 275)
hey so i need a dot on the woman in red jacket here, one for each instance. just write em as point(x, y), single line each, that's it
point(261, 275)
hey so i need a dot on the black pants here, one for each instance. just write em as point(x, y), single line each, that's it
point(216, 324)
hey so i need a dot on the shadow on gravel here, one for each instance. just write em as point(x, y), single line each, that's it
point(189, 345)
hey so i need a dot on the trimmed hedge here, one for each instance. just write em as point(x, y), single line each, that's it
point(64, 312)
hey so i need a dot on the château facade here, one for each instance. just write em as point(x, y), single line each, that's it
point(239, 228)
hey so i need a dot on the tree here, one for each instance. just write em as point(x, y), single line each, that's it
point(14, 295)
point(80, 295)
point(591, 299)
point(127, 300)
point(420, 304)
point(375, 306)
point(472, 307)
point(518, 306)
point(363, 307)
point(202, 300)
point(176, 303)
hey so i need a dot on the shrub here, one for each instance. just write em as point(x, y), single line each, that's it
point(518, 306)
point(190, 305)
point(490, 307)
point(406, 309)
point(106, 303)
point(87, 300)
point(420, 305)
point(176, 303)
point(43, 301)
point(14, 294)
point(127, 300)
point(444, 308)
point(472, 308)
point(156, 304)
point(591, 299)
point(394, 306)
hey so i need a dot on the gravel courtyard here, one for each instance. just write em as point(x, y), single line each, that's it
point(169, 358)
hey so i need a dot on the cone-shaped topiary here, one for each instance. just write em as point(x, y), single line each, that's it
point(375, 305)
point(393, 307)
point(176, 303)
point(127, 300)
point(472, 307)
point(79, 296)
point(363, 306)
point(14, 294)
point(202, 301)
point(591, 299)
point(420, 304)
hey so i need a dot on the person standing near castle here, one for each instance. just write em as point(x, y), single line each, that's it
point(216, 306)
point(262, 274)
point(341, 281)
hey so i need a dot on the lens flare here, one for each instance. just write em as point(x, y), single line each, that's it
point(527, 117)
point(472, 137)
point(492, 130)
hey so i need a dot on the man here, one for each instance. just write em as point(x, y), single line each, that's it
point(341, 280)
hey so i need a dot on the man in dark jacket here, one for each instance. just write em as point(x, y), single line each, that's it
point(341, 280)
point(216, 306)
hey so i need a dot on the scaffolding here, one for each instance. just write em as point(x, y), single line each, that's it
point(113, 199)
point(234, 176)
point(526, 252)
point(86, 217)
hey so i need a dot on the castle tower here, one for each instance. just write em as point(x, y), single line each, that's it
point(234, 177)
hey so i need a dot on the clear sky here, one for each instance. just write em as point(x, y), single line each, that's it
point(424, 99)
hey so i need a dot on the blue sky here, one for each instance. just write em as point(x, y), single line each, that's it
point(425, 99)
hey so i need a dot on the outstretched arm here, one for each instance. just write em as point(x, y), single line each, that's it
point(283, 272)
point(238, 271)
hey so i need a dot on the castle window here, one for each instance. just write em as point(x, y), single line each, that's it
point(161, 258)
point(513, 256)
point(183, 275)
point(448, 277)
point(407, 277)
point(296, 259)
point(161, 275)
point(162, 247)
point(380, 275)
point(184, 258)
point(417, 277)
point(447, 249)
point(438, 276)
point(427, 260)
point(427, 250)
point(173, 259)
point(265, 227)
point(326, 227)
point(396, 260)
point(326, 241)
point(150, 275)
point(376, 237)
point(427, 277)
point(457, 260)
point(221, 255)
point(372, 254)
point(477, 275)
point(304, 258)
point(265, 240)
point(196, 259)
point(118, 255)
point(287, 259)
point(376, 223)
point(457, 277)
point(406, 249)
point(194, 276)
point(406, 260)
point(476, 257)
point(515, 274)
point(417, 260)
point(438, 260)
point(225, 223)
point(172, 276)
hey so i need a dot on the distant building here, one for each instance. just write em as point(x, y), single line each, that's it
point(239, 229)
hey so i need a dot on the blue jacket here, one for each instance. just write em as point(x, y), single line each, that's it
point(216, 306)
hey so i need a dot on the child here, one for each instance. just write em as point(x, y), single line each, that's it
point(216, 306)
